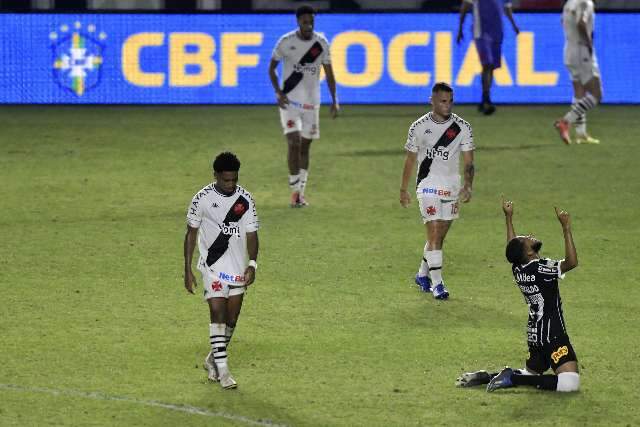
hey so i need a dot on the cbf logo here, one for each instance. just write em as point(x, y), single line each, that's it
point(77, 57)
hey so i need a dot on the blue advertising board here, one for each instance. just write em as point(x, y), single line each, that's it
point(223, 59)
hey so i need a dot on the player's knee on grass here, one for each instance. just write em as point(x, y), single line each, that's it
point(568, 381)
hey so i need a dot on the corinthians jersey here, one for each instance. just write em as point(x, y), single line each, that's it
point(222, 223)
point(538, 282)
point(302, 63)
point(438, 145)
point(571, 12)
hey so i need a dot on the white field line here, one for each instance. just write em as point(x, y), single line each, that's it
point(153, 403)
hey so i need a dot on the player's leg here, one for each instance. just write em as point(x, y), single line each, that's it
point(310, 131)
point(436, 232)
point(422, 277)
point(482, 377)
point(234, 305)
point(487, 81)
point(218, 313)
point(291, 121)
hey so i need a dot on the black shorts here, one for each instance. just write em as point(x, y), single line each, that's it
point(551, 355)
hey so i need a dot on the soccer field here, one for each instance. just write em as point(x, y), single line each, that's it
point(97, 328)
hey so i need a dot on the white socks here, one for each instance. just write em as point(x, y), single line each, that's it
point(218, 344)
point(434, 260)
point(424, 267)
point(568, 381)
point(580, 108)
point(294, 182)
point(304, 174)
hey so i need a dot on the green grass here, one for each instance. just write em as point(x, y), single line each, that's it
point(92, 219)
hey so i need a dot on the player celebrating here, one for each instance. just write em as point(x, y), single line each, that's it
point(578, 18)
point(435, 141)
point(549, 344)
point(487, 33)
point(223, 217)
point(304, 52)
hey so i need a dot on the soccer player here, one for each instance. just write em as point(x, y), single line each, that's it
point(549, 345)
point(435, 141)
point(578, 17)
point(487, 33)
point(223, 218)
point(304, 53)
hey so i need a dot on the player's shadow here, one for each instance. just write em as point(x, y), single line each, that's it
point(372, 153)
point(516, 147)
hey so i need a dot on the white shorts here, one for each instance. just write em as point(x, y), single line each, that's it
point(433, 208)
point(301, 118)
point(215, 287)
point(582, 66)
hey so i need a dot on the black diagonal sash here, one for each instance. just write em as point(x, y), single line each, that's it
point(312, 54)
point(221, 244)
point(445, 139)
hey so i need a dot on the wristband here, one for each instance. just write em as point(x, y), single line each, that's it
point(253, 263)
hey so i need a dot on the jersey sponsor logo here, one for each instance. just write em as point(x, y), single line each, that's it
point(432, 153)
point(230, 229)
point(524, 277)
point(233, 278)
point(431, 210)
point(307, 69)
point(296, 77)
point(436, 191)
point(216, 286)
point(559, 353)
point(529, 289)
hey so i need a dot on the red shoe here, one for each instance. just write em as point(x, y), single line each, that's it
point(562, 126)
point(295, 200)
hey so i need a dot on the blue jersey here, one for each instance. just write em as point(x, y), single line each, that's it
point(487, 18)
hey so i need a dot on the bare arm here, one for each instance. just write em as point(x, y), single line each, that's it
point(507, 208)
point(273, 76)
point(252, 250)
point(469, 173)
point(509, 12)
point(466, 7)
point(570, 256)
point(331, 82)
point(407, 171)
point(189, 245)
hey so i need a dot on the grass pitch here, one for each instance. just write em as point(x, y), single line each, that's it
point(98, 330)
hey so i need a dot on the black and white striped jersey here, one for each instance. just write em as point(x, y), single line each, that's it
point(438, 146)
point(538, 282)
point(301, 65)
point(222, 222)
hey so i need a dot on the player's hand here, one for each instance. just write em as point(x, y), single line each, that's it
point(465, 195)
point(249, 276)
point(283, 100)
point(190, 281)
point(405, 198)
point(459, 37)
point(507, 207)
point(334, 109)
point(563, 217)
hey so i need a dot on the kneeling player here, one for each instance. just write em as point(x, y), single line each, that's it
point(549, 345)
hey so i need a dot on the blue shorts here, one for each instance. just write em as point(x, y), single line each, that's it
point(489, 51)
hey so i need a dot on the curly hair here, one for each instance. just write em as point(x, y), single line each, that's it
point(226, 162)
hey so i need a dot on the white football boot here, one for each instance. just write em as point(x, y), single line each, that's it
point(210, 367)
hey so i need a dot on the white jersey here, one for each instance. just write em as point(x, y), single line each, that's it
point(438, 145)
point(573, 12)
point(222, 223)
point(302, 63)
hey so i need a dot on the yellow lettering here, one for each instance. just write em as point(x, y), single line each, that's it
point(442, 57)
point(373, 58)
point(397, 59)
point(471, 68)
point(527, 75)
point(179, 58)
point(232, 59)
point(131, 59)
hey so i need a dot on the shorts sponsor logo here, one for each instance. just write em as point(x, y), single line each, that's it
point(431, 210)
point(231, 277)
point(559, 353)
point(436, 192)
point(216, 286)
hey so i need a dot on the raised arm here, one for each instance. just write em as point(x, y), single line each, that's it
point(407, 171)
point(189, 245)
point(508, 10)
point(570, 256)
point(331, 82)
point(507, 208)
point(466, 7)
point(273, 76)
